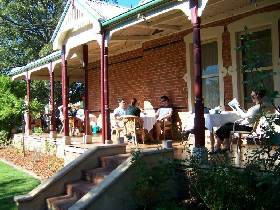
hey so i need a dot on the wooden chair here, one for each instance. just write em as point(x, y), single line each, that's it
point(167, 126)
point(241, 134)
point(133, 126)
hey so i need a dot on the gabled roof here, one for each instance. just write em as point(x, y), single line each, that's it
point(143, 2)
point(106, 10)
point(142, 7)
point(96, 9)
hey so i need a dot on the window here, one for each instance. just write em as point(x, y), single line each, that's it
point(210, 74)
point(262, 49)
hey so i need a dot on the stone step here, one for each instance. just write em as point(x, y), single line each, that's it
point(96, 175)
point(61, 202)
point(112, 162)
point(79, 189)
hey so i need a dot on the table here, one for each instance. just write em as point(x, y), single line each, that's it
point(211, 121)
point(148, 121)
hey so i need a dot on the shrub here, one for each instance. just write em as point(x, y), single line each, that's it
point(156, 187)
point(38, 131)
point(4, 140)
point(11, 103)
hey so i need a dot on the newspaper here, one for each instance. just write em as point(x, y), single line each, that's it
point(235, 106)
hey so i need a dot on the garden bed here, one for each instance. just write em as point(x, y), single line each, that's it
point(43, 165)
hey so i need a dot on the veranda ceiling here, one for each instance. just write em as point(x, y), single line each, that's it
point(133, 32)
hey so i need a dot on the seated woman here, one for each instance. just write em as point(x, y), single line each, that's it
point(163, 115)
point(120, 110)
point(132, 109)
point(136, 124)
point(116, 122)
point(246, 124)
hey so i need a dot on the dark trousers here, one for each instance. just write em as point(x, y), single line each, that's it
point(224, 131)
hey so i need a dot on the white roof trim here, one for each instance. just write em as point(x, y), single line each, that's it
point(83, 14)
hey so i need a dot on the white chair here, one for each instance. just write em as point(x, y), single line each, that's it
point(116, 126)
point(241, 134)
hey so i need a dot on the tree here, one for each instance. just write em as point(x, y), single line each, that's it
point(11, 103)
point(26, 28)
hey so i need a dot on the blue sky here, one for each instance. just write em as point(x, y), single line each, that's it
point(128, 3)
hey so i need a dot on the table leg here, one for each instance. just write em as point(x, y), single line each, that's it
point(212, 140)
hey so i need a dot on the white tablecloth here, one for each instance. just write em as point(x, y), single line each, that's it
point(212, 120)
point(148, 122)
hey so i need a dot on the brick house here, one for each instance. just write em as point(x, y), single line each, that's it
point(150, 50)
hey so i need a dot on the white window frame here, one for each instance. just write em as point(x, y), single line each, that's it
point(255, 22)
point(267, 68)
point(207, 35)
point(213, 75)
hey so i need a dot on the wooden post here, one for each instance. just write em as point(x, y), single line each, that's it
point(199, 121)
point(87, 136)
point(106, 93)
point(65, 99)
point(52, 107)
point(102, 87)
point(28, 129)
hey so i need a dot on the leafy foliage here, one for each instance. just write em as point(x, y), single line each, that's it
point(40, 90)
point(151, 188)
point(38, 131)
point(35, 108)
point(11, 103)
point(252, 63)
point(220, 185)
point(4, 138)
point(25, 28)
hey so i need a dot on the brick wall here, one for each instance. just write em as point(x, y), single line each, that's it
point(228, 94)
point(227, 62)
point(154, 70)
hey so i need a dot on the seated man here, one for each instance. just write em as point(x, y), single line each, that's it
point(163, 115)
point(117, 123)
point(246, 124)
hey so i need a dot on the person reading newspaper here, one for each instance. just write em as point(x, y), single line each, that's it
point(248, 119)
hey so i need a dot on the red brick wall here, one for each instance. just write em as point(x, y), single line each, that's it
point(154, 70)
point(227, 62)
point(227, 91)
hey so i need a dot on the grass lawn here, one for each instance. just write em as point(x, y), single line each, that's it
point(13, 182)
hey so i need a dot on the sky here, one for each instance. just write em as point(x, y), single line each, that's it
point(128, 3)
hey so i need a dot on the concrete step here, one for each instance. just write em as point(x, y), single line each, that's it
point(79, 189)
point(112, 162)
point(96, 175)
point(76, 190)
point(61, 202)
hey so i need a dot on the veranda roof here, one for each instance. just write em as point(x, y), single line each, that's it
point(42, 61)
point(131, 27)
point(106, 14)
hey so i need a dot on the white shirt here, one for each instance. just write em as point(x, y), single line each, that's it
point(250, 115)
point(163, 112)
point(80, 114)
point(119, 112)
